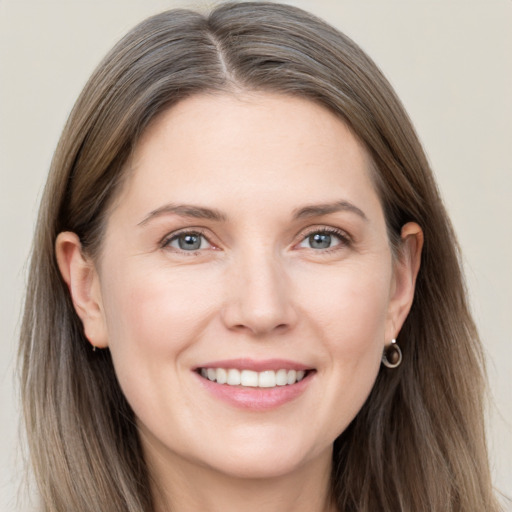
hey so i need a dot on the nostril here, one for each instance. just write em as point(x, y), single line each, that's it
point(259, 306)
point(260, 328)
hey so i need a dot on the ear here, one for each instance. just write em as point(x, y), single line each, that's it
point(79, 273)
point(405, 271)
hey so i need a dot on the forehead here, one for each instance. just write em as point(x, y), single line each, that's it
point(212, 147)
point(254, 116)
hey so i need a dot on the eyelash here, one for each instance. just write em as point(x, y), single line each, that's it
point(341, 235)
point(344, 239)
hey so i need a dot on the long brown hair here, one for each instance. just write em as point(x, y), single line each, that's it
point(418, 444)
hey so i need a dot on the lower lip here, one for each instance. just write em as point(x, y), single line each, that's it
point(257, 399)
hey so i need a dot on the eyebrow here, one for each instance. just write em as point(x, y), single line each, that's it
point(185, 210)
point(316, 210)
point(200, 212)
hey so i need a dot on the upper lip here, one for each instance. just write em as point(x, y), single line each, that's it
point(255, 365)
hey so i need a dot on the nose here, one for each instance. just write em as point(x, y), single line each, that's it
point(259, 298)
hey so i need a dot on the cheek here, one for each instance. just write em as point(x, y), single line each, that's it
point(349, 315)
point(152, 318)
point(350, 305)
point(154, 308)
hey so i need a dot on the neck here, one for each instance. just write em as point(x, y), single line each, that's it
point(185, 487)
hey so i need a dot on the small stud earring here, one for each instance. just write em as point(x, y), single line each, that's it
point(392, 355)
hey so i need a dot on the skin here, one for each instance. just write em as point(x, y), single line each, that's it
point(257, 288)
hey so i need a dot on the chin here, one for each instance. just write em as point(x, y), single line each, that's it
point(260, 468)
point(268, 460)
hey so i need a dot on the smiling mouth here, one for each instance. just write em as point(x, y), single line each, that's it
point(253, 379)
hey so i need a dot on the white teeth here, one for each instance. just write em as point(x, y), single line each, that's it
point(281, 378)
point(267, 379)
point(249, 378)
point(222, 376)
point(233, 377)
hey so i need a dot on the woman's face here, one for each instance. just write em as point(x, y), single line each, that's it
point(245, 286)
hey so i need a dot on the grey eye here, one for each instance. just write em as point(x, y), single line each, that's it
point(322, 240)
point(189, 242)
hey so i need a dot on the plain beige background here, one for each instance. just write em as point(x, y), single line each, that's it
point(450, 62)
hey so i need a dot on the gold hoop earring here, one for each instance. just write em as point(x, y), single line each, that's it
point(392, 355)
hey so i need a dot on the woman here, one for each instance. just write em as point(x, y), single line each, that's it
point(245, 291)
